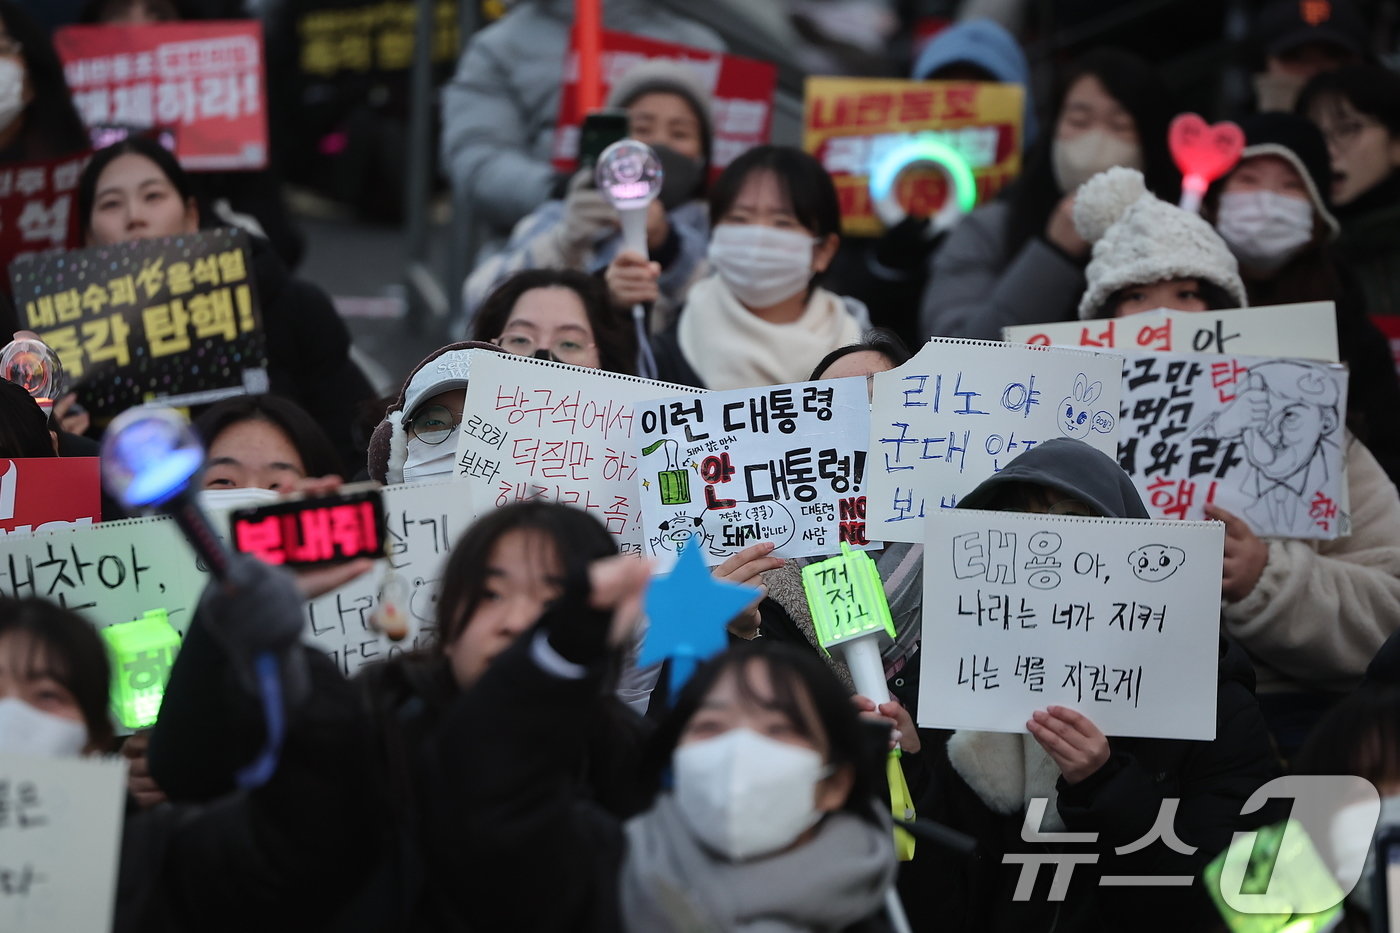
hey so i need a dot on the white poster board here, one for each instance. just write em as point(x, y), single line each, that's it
point(730, 469)
point(117, 571)
point(1262, 438)
point(960, 410)
point(537, 429)
point(60, 841)
point(1116, 618)
point(1307, 330)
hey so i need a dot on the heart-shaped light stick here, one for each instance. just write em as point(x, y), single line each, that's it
point(1203, 153)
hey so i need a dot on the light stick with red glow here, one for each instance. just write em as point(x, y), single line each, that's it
point(1203, 153)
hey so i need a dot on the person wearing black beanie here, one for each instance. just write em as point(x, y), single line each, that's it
point(1275, 212)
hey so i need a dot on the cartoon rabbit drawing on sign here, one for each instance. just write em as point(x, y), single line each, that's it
point(1077, 416)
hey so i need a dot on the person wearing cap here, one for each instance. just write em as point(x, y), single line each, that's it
point(1358, 111)
point(416, 441)
point(1274, 211)
point(1309, 613)
point(982, 783)
point(669, 109)
point(1301, 39)
point(500, 108)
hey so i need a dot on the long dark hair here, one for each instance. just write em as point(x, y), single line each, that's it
point(801, 179)
point(578, 539)
point(793, 674)
point(134, 145)
point(1134, 84)
point(616, 341)
point(317, 452)
point(73, 655)
point(52, 127)
point(1370, 89)
point(24, 429)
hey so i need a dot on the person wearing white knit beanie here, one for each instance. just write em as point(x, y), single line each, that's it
point(1310, 614)
point(1149, 254)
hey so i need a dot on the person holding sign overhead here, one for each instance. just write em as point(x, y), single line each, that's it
point(983, 782)
point(761, 318)
point(136, 190)
point(1310, 613)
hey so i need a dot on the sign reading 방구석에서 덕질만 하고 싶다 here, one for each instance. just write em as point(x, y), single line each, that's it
point(960, 410)
point(1115, 618)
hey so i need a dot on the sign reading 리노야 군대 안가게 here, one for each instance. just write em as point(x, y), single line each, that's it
point(1115, 618)
point(726, 470)
point(173, 319)
point(960, 410)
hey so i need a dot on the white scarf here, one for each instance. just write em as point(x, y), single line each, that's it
point(730, 347)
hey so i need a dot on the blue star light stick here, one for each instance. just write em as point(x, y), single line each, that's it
point(688, 610)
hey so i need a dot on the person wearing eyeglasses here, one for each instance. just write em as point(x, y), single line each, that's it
point(557, 314)
point(415, 441)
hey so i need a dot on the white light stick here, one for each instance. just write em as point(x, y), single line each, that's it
point(629, 176)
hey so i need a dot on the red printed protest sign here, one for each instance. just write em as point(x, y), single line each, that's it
point(854, 124)
point(37, 207)
point(47, 493)
point(203, 80)
point(742, 89)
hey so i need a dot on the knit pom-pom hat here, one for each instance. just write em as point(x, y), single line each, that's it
point(1140, 239)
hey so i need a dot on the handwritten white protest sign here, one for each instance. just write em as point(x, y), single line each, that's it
point(117, 571)
point(537, 429)
point(784, 464)
point(1262, 438)
point(60, 835)
point(1307, 330)
point(1115, 618)
point(423, 521)
point(960, 410)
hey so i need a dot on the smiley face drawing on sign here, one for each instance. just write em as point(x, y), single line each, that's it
point(1153, 563)
point(1077, 417)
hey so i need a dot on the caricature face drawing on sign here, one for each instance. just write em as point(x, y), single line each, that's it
point(1285, 418)
point(1077, 417)
point(1153, 563)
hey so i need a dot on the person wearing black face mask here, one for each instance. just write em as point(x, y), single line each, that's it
point(668, 108)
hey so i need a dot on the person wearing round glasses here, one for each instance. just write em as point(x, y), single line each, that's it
point(557, 314)
point(415, 441)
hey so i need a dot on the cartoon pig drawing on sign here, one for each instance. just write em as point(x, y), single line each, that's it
point(1077, 416)
point(677, 531)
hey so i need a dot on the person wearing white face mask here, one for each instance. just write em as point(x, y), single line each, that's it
point(769, 824)
point(1019, 259)
point(1274, 211)
point(416, 441)
point(760, 318)
point(37, 117)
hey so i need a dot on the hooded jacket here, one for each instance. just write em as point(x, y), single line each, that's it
point(499, 109)
point(980, 782)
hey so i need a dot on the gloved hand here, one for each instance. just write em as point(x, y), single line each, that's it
point(587, 216)
point(258, 610)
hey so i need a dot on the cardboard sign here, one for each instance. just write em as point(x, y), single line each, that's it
point(48, 493)
point(730, 469)
point(422, 522)
point(1115, 618)
point(742, 90)
point(60, 841)
point(1262, 438)
point(38, 207)
point(536, 429)
point(174, 319)
point(1307, 330)
point(960, 410)
point(853, 124)
point(204, 80)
